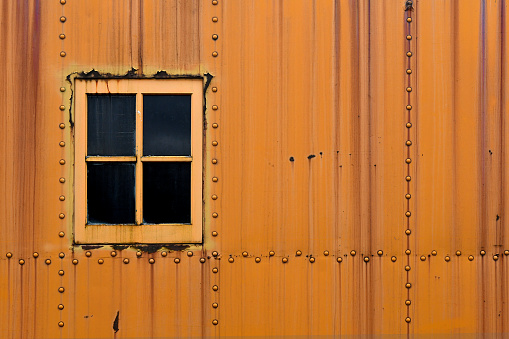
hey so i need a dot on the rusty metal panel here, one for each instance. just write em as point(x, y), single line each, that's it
point(309, 111)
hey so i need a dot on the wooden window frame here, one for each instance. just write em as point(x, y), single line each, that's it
point(138, 233)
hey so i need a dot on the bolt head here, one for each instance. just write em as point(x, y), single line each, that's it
point(100, 261)
point(75, 261)
point(258, 259)
point(151, 260)
point(230, 259)
point(202, 260)
point(393, 259)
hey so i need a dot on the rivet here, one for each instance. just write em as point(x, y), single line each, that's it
point(483, 252)
point(62, 19)
point(458, 253)
point(100, 261)
point(326, 253)
point(215, 107)
point(214, 2)
point(113, 253)
point(215, 254)
point(409, 107)
point(61, 144)
point(409, 71)
point(88, 253)
point(407, 268)
point(215, 288)
point(214, 19)
point(423, 258)
point(61, 289)
point(61, 255)
point(164, 254)
point(408, 252)
point(214, 143)
point(272, 253)
point(62, 2)
point(63, 54)
point(202, 260)
point(366, 259)
point(506, 252)
point(408, 160)
point(257, 259)
point(409, 19)
point(214, 89)
point(75, 261)
point(214, 36)
point(48, 262)
point(62, 180)
point(190, 253)
point(352, 253)
point(495, 257)
point(62, 89)
point(284, 260)
point(470, 257)
point(215, 270)
point(408, 143)
point(151, 260)
point(176, 260)
point(61, 323)
point(215, 305)
point(61, 36)
point(298, 253)
point(408, 213)
point(408, 178)
point(215, 215)
point(230, 259)
point(61, 272)
point(9, 255)
point(408, 125)
point(244, 254)
point(339, 259)
point(214, 179)
point(21, 261)
point(408, 54)
point(408, 302)
point(60, 307)
point(126, 261)
point(409, 89)
point(408, 231)
point(36, 255)
point(214, 54)
point(214, 233)
point(408, 196)
point(62, 162)
point(408, 285)
point(447, 258)
point(409, 37)
point(138, 254)
point(407, 319)
point(393, 259)
point(433, 253)
point(61, 125)
point(380, 252)
point(215, 125)
point(215, 322)
point(214, 161)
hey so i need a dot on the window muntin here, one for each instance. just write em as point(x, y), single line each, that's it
point(167, 146)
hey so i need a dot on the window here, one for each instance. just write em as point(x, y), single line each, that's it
point(138, 161)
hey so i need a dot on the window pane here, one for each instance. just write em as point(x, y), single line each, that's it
point(167, 192)
point(111, 125)
point(110, 193)
point(166, 125)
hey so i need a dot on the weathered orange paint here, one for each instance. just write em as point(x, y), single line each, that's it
point(321, 82)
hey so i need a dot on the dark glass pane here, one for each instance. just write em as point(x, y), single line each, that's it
point(111, 125)
point(167, 192)
point(110, 193)
point(166, 125)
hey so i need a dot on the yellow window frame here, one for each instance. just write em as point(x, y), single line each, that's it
point(137, 233)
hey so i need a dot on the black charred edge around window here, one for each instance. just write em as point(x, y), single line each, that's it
point(131, 74)
point(146, 248)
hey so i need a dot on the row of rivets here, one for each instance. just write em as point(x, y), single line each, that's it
point(62, 108)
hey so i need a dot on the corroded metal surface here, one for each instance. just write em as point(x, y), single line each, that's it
point(354, 169)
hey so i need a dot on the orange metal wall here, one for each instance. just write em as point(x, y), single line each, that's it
point(297, 79)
